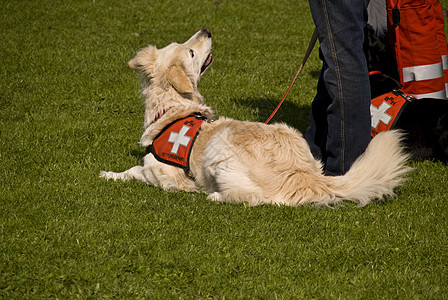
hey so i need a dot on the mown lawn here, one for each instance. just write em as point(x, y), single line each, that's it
point(69, 108)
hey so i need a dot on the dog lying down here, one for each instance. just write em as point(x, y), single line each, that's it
point(236, 161)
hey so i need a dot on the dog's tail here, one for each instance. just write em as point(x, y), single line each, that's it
point(374, 175)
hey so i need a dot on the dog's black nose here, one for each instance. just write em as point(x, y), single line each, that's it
point(207, 32)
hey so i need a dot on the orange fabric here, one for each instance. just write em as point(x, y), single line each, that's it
point(441, 39)
point(174, 143)
point(419, 43)
point(386, 109)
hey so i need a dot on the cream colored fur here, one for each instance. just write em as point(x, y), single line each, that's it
point(235, 161)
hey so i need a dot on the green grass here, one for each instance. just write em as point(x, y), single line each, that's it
point(69, 107)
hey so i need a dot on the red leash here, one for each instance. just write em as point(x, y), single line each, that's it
point(307, 54)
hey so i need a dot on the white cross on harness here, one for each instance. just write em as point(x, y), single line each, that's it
point(379, 114)
point(179, 139)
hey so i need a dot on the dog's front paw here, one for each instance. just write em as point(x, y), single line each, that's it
point(215, 197)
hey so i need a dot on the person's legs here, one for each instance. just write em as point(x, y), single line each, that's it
point(344, 97)
point(317, 131)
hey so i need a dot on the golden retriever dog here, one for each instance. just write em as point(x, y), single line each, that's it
point(237, 161)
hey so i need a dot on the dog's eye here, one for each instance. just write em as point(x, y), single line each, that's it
point(191, 53)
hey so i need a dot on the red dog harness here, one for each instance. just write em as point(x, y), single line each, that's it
point(386, 109)
point(174, 143)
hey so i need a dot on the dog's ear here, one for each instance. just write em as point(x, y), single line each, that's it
point(177, 77)
point(144, 60)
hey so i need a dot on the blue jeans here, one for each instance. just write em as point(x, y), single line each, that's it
point(339, 129)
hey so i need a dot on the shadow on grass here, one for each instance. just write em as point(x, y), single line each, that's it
point(290, 113)
point(138, 153)
point(315, 74)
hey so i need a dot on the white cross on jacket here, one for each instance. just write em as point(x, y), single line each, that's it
point(179, 139)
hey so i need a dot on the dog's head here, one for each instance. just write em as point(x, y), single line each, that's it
point(179, 66)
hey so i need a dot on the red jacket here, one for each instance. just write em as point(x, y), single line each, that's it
point(416, 31)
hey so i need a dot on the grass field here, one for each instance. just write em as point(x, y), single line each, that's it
point(69, 107)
